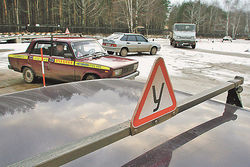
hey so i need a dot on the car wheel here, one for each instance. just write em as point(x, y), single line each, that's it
point(90, 77)
point(153, 51)
point(28, 75)
point(124, 52)
point(110, 52)
point(193, 46)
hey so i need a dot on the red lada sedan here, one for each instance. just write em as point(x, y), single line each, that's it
point(71, 59)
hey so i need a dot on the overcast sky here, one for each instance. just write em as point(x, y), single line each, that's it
point(208, 1)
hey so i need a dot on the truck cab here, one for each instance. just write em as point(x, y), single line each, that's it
point(183, 34)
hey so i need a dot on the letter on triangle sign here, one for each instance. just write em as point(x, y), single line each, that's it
point(158, 97)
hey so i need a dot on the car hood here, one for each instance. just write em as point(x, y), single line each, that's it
point(109, 61)
point(35, 121)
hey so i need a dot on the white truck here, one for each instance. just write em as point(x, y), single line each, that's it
point(183, 35)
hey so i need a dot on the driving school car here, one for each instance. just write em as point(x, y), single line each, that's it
point(70, 59)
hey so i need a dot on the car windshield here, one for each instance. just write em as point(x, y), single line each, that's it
point(184, 27)
point(86, 48)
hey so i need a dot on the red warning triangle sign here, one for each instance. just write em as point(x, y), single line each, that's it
point(67, 31)
point(158, 97)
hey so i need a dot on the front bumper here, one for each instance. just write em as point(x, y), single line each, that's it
point(185, 42)
point(131, 76)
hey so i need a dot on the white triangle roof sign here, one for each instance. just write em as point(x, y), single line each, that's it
point(158, 97)
point(67, 31)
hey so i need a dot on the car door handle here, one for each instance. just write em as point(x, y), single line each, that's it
point(128, 42)
point(139, 42)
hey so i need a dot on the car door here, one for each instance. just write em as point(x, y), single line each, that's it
point(35, 57)
point(132, 44)
point(61, 63)
point(143, 43)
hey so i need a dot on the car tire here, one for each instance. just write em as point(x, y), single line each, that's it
point(124, 52)
point(90, 77)
point(193, 46)
point(28, 75)
point(110, 52)
point(153, 51)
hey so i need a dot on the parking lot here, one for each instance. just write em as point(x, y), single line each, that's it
point(191, 71)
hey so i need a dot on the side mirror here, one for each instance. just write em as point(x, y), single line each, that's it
point(153, 40)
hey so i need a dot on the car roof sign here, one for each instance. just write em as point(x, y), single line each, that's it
point(158, 97)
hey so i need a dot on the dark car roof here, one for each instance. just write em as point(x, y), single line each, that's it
point(35, 121)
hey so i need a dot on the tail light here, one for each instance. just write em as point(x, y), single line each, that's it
point(113, 45)
point(104, 44)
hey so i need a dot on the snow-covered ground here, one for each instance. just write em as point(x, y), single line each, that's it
point(183, 62)
point(236, 46)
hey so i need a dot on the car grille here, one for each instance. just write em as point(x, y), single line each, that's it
point(187, 37)
point(128, 69)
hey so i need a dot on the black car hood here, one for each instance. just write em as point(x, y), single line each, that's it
point(38, 120)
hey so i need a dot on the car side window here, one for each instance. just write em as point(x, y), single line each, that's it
point(37, 48)
point(131, 38)
point(140, 38)
point(124, 38)
point(61, 49)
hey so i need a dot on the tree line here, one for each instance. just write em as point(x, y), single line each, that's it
point(212, 20)
point(129, 14)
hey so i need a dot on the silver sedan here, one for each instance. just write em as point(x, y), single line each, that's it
point(123, 43)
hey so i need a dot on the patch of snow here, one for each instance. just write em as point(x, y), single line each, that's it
point(15, 48)
point(236, 46)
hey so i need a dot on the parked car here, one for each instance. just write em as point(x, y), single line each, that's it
point(123, 43)
point(227, 38)
point(71, 59)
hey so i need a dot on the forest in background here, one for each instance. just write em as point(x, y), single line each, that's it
point(127, 14)
point(107, 16)
point(233, 19)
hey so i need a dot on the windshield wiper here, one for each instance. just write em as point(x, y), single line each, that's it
point(100, 54)
point(85, 55)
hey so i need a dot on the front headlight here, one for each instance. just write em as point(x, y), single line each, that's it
point(117, 72)
point(135, 66)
